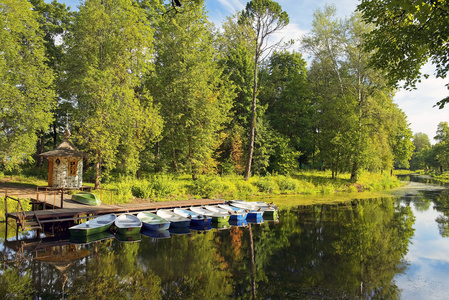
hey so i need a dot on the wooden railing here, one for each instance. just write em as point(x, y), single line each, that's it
point(20, 212)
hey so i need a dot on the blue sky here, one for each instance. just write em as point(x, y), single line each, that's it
point(417, 104)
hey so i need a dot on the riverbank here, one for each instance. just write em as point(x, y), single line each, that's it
point(162, 187)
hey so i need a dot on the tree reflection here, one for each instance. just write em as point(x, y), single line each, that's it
point(352, 250)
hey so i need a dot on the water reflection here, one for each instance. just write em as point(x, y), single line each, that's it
point(354, 250)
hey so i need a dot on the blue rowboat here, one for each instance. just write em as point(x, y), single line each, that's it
point(152, 221)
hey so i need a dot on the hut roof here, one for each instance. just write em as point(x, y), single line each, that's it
point(65, 149)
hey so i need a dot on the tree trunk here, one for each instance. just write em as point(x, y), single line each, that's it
point(40, 149)
point(175, 163)
point(98, 171)
point(253, 122)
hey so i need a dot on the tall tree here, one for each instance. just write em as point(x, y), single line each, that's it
point(337, 45)
point(266, 17)
point(27, 95)
point(235, 43)
point(54, 19)
point(189, 87)
point(422, 145)
point(441, 148)
point(109, 50)
point(407, 34)
point(286, 91)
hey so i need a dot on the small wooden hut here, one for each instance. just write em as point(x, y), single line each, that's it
point(65, 165)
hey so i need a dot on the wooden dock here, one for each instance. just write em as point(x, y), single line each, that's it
point(52, 214)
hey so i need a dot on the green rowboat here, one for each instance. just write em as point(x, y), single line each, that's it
point(86, 198)
point(94, 226)
point(128, 224)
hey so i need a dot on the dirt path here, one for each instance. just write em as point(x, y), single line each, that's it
point(15, 190)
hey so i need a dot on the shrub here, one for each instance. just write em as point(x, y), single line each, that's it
point(267, 185)
point(287, 184)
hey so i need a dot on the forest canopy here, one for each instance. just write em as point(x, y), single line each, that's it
point(158, 88)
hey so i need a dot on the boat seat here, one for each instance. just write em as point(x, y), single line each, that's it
point(127, 224)
point(102, 222)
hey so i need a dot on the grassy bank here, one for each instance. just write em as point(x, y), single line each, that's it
point(302, 185)
point(307, 184)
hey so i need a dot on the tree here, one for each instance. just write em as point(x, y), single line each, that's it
point(109, 50)
point(286, 92)
point(266, 17)
point(194, 97)
point(54, 19)
point(441, 149)
point(422, 144)
point(235, 43)
point(406, 35)
point(27, 95)
point(354, 101)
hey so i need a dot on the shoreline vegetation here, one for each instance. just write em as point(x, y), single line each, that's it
point(300, 188)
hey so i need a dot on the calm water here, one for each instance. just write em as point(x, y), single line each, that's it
point(362, 249)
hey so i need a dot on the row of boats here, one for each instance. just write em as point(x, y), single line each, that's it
point(234, 211)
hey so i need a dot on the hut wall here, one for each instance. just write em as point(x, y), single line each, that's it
point(61, 177)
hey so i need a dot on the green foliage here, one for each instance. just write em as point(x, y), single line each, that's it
point(417, 29)
point(27, 94)
point(267, 184)
point(109, 48)
point(13, 206)
point(14, 285)
point(287, 184)
point(193, 94)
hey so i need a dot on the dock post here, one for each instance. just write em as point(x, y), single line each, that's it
point(62, 197)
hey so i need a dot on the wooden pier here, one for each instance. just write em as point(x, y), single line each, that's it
point(52, 214)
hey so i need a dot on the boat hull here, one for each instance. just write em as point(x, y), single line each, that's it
point(94, 226)
point(127, 224)
point(86, 198)
point(152, 221)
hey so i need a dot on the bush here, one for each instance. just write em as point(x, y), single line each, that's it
point(287, 184)
point(267, 184)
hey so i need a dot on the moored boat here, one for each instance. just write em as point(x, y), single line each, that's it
point(87, 239)
point(174, 219)
point(152, 221)
point(94, 226)
point(216, 217)
point(251, 214)
point(266, 210)
point(195, 219)
point(234, 215)
point(128, 224)
point(86, 198)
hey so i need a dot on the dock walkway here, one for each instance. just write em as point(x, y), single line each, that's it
point(75, 211)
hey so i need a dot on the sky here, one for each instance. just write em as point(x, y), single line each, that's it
point(418, 104)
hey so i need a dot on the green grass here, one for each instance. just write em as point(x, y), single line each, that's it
point(162, 187)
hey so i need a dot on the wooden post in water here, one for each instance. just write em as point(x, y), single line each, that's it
point(62, 197)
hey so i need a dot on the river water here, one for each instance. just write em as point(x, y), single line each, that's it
point(388, 248)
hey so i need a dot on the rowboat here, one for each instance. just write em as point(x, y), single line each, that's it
point(195, 219)
point(216, 217)
point(260, 204)
point(97, 225)
point(152, 221)
point(174, 219)
point(234, 215)
point(267, 210)
point(86, 198)
point(251, 214)
point(128, 224)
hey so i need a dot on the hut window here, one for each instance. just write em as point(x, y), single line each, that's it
point(73, 167)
